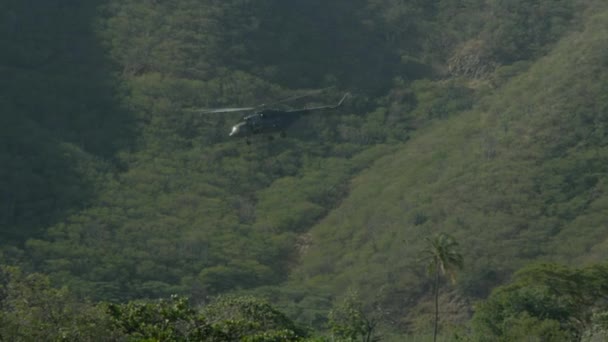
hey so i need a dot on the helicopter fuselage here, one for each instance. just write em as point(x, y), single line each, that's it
point(266, 121)
point(274, 120)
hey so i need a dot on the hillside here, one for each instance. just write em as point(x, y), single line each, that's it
point(484, 119)
point(60, 119)
point(520, 177)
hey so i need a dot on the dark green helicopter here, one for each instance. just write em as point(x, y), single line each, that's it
point(268, 121)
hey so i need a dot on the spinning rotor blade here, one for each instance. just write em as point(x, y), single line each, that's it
point(243, 109)
point(297, 97)
point(222, 110)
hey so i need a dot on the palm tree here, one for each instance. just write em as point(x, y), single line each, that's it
point(443, 259)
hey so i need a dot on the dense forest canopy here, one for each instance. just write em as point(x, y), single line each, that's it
point(482, 118)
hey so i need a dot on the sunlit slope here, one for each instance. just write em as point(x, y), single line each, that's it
point(521, 177)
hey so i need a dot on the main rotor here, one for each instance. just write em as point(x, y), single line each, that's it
point(260, 106)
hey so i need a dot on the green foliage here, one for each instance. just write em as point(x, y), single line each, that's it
point(442, 256)
point(438, 101)
point(349, 321)
point(598, 329)
point(519, 30)
point(227, 319)
point(112, 186)
point(549, 301)
point(32, 310)
point(190, 212)
point(257, 319)
point(172, 320)
point(513, 179)
point(56, 124)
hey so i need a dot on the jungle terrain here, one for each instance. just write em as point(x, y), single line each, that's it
point(127, 213)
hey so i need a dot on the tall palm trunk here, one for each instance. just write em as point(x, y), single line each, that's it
point(436, 325)
point(443, 258)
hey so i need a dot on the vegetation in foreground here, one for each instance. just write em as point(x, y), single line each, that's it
point(548, 302)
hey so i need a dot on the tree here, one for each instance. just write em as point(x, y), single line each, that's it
point(252, 319)
point(32, 310)
point(549, 301)
point(443, 259)
point(226, 319)
point(349, 321)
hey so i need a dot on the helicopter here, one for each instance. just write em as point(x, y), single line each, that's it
point(270, 120)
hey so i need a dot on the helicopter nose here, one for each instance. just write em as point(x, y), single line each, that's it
point(234, 131)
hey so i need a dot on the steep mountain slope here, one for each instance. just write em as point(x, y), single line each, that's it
point(520, 177)
point(190, 211)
